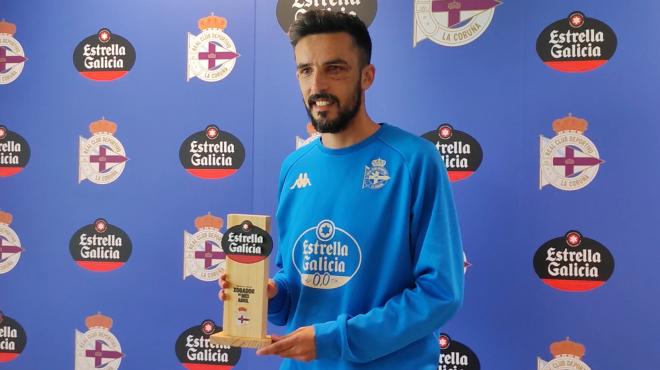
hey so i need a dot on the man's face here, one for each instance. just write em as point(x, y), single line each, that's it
point(328, 70)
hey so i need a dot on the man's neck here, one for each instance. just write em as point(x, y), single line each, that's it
point(361, 128)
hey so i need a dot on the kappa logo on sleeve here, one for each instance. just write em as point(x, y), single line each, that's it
point(97, 348)
point(12, 338)
point(12, 56)
point(211, 54)
point(10, 245)
point(203, 256)
point(102, 157)
point(452, 22)
point(326, 256)
point(567, 356)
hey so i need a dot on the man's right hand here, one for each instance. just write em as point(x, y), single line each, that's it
point(271, 288)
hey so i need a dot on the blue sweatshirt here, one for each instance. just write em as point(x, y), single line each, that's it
point(369, 252)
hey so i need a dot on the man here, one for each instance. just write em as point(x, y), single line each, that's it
point(369, 246)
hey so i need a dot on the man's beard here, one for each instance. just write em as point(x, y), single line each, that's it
point(339, 124)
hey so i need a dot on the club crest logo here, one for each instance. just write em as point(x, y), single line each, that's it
point(576, 44)
point(102, 157)
point(455, 355)
point(104, 56)
point(312, 135)
point(376, 176)
point(573, 263)
point(461, 153)
point(10, 245)
point(211, 54)
point(212, 154)
point(567, 355)
point(100, 246)
point(288, 11)
point(14, 152)
point(452, 22)
point(196, 352)
point(12, 338)
point(326, 256)
point(203, 256)
point(12, 56)
point(97, 348)
point(568, 161)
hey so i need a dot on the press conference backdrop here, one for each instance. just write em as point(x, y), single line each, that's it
point(130, 129)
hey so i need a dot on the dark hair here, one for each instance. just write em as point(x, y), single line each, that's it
point(320, 21)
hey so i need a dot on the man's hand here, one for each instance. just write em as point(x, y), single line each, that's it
point(298, 345)
point(271, 289)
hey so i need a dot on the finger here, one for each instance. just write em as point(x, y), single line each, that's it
point(223, 281)
point(222, 295)
point(275, 348)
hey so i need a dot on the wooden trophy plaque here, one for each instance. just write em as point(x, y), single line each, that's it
point(247, 245)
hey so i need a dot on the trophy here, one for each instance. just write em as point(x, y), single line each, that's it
point(247, 245)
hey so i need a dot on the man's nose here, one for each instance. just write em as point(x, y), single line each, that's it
point(319, 82)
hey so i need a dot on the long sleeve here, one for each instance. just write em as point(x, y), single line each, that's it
point(279, 306)
point(437, 291)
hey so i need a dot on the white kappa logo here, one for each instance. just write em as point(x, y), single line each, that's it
point(301, 182)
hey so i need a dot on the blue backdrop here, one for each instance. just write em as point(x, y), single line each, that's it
point(495, 88)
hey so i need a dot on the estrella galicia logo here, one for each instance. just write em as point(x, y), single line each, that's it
point(573, 263)
point(14, 152)
point(100, 246)
point(288, 11)
point(461, 153)
point(247, 243)
point(10, 244)
point(576, 44)
point(326, 256)
point(12, 56)
point(12, 338)
point(455, 355)
point(452, 22)
point(104, 56)
point(212, 154)
point(196, 352)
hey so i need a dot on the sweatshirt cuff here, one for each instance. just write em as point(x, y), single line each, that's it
point(276, 303)
point(328, 340)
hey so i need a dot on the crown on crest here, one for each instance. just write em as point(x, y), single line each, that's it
point(378, 162)
point(567, 347)
point(212, 21)
point(208, 221)
point(570, 123)
point(8, 28)
point(98, 321)
point(6, 218)
point(102, 125)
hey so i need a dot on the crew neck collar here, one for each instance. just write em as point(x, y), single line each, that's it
point(354, 147)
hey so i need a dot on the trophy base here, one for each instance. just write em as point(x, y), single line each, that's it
point(222, 338)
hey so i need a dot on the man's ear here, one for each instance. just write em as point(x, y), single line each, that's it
point(367, 77)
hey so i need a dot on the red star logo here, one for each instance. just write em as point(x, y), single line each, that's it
point(3, 132)
point(100, 226)
point(104, 36)
point(576, 20)
point(211, 132)
point(445, 132)
point(573, 239)
point(443, 340)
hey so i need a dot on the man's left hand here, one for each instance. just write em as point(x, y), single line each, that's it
point(298, 345)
